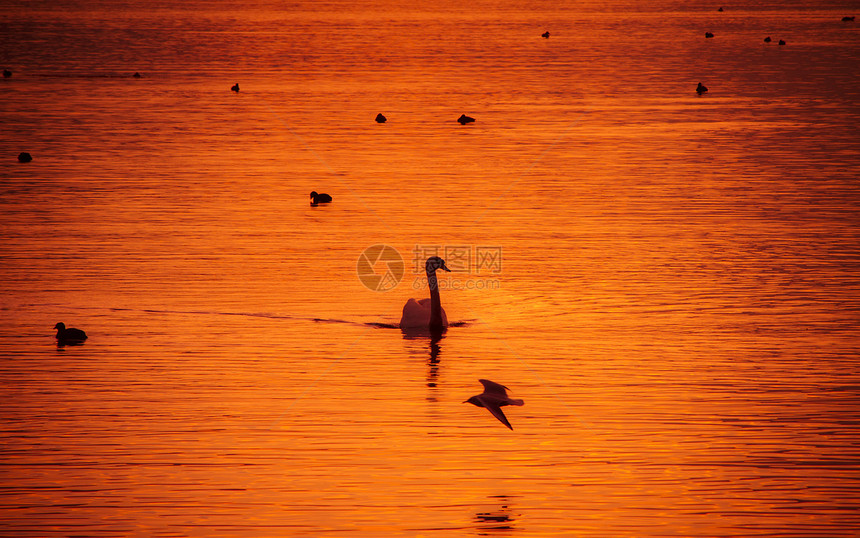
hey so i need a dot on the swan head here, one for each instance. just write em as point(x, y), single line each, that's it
point(434, 263)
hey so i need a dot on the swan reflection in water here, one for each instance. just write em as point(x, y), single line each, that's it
point(434, 348)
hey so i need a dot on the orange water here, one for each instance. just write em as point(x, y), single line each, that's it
point(674, 293)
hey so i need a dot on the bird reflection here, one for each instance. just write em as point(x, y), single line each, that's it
point(435, 337)
point(497, 521)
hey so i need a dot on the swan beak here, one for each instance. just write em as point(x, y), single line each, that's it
point(444, 267)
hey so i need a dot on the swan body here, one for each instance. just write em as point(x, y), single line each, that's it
point(317, 198)
point(70, 335)
point(493, 398)
point(427, 313)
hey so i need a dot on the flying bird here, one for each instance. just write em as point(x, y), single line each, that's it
point(493, 398)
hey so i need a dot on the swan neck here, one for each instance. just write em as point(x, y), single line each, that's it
point(435, 301)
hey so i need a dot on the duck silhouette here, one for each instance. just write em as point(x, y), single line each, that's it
point(235, 88)
point(464, 119)
point(380, 118)
point(319, 198)
point(69, 336)
point(493, 398)
point(767, 39)
point(545, 35)
point(701, 88)
point(24, 157)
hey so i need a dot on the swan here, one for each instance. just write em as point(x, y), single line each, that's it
point(317, 198)
point(69, 336)
point(427, 313)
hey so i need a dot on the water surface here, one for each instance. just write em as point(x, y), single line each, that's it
point(676, 298)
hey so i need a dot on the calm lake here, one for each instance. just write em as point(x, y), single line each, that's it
point(670, 281)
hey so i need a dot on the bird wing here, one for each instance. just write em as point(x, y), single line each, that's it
point(493, 388)
point(493, 408)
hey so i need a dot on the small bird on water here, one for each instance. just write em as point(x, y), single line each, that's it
point(70, 335)
point(464, 119)
point(701, 88)
point(235, 87)
point(493, 398)
point(319, 198)
point(380, 118)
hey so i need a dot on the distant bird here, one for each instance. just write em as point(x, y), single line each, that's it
point(845, 19)
point(720, 9)
point(69, 336)
point(493, 398)
point(235, 87)
point(24, 157)
point(380, 118)
point(767, 39)
point(317, 198)
point(782, 42)
point(7, 73)
point(700, 89)
point(136, 74)
point(464, 119)
point(709, 34)
point(545, 35)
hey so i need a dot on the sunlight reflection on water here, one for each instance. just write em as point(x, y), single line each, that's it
point(676, 297)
